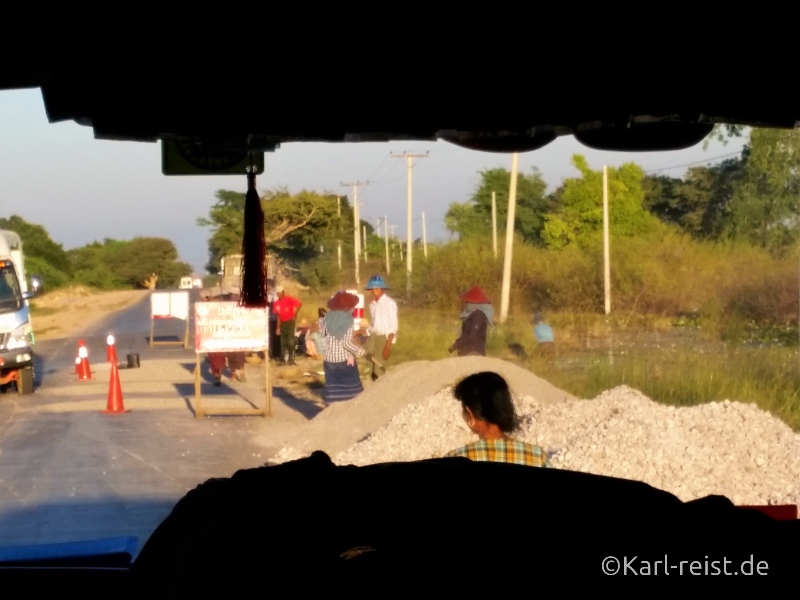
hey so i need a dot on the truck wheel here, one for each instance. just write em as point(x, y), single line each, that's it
point(25, 381)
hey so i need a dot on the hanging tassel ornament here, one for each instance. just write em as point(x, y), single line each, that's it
point(254, 249)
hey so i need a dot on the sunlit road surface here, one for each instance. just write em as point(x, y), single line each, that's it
point(131, 330)
point(69, 472)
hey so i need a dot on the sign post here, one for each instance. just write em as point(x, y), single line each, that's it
point(228, 327)
point(169, 305)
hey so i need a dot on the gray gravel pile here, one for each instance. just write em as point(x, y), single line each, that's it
point(727, 448)
point(343, 424)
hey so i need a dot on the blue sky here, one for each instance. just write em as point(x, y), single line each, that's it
point(82, 190)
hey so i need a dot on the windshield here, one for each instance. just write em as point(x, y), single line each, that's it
point(643, 308)
point(10, 294)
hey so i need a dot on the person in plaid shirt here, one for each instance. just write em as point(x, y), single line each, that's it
point(488, 410)
point(342, 380)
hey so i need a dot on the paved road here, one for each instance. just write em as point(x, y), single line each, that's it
point(131, 329)
point(68, 472)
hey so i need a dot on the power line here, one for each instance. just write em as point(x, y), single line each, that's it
point(392, 181)
point(390, 171)
point(380, 166)
point(699, 162)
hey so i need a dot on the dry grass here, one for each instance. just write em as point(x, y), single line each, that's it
point(65, 312)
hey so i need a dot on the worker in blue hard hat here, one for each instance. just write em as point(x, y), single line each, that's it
point(383, 326)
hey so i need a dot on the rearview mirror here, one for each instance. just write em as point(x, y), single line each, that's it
point(37, 285)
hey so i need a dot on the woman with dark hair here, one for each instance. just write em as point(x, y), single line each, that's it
point(488, 410)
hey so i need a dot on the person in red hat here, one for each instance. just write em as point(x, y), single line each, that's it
point(342, 380)
point(475, 320)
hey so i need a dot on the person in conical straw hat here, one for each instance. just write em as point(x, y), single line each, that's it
point(342, 380)
point(475, 320)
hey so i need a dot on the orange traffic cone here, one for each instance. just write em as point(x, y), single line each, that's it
point(114, 405)
point(111, 350)
point(78, 358)
point(84, 370)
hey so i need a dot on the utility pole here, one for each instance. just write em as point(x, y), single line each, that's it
point(606, 257)
point(391, 229)
point(424, 237)
point(386, 241)
point(356, 222)
point(512, 204)
point(409, 232)
point(339, 217)
point(364, 229)
point(494, 223)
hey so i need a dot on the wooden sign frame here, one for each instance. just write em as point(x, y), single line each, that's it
point(228, 327)
point(169, 305)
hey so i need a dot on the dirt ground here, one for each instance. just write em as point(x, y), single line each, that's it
point(65, 312)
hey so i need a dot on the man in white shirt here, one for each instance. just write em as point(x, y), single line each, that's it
point(383, 325)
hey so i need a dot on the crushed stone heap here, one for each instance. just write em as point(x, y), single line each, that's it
point(726, 448)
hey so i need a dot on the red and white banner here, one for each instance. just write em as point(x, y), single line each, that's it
point(228, 327)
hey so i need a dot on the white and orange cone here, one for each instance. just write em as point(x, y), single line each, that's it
point(84, 370)
point(111, 350)
point(114, 405)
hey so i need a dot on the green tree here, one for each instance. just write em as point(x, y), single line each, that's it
point(134, 261)
point(474, 217)
point(115, 264)
point(90, 267)
point(42, 255)
point(723, 132)
point(295, 226)
point(764, 208)
point(579, 219)
point(698, 203)
point(466, 220)
point(226, 218)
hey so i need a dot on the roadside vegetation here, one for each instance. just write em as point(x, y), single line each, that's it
point(710, 259)
point(140, 263)
point(676, 362)
point(708, 263)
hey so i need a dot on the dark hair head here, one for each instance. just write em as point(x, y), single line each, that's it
point(487, 396)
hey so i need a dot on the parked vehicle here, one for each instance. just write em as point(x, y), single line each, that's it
point(230, 273)
point(16, 332)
